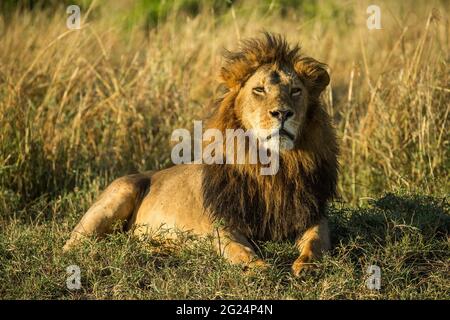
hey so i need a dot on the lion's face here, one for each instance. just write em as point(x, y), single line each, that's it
point(274, 98)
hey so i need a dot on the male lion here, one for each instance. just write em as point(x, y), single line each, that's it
point(268, 85)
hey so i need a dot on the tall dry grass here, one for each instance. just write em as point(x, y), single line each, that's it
point(103, 100)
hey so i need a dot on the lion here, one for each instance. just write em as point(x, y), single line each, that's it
point(267, 84)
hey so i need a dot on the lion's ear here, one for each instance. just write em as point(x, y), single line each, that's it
point(314, 75)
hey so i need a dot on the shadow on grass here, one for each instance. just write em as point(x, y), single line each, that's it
point(410, 222)
point(392, 215)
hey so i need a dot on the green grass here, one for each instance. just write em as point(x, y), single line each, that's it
point(406, 236)
point(79, 108)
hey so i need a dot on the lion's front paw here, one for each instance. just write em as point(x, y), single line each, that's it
point(256, 265)
point(70, 244)
point(75, 239)
point(300, 265)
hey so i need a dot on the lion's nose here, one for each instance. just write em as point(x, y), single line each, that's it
point(281, 115)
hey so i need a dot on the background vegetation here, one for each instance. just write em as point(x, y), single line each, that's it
point(81, 107)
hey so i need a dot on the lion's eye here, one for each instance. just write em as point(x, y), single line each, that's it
point(259, 90)
point(296, 91)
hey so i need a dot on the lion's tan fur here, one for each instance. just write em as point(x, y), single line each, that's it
point(252, 206)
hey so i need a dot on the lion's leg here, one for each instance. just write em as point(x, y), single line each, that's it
point(115, 205)
point(237, 250)
point(313, 243)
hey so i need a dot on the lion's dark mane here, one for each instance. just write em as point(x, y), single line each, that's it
point(283, 205)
